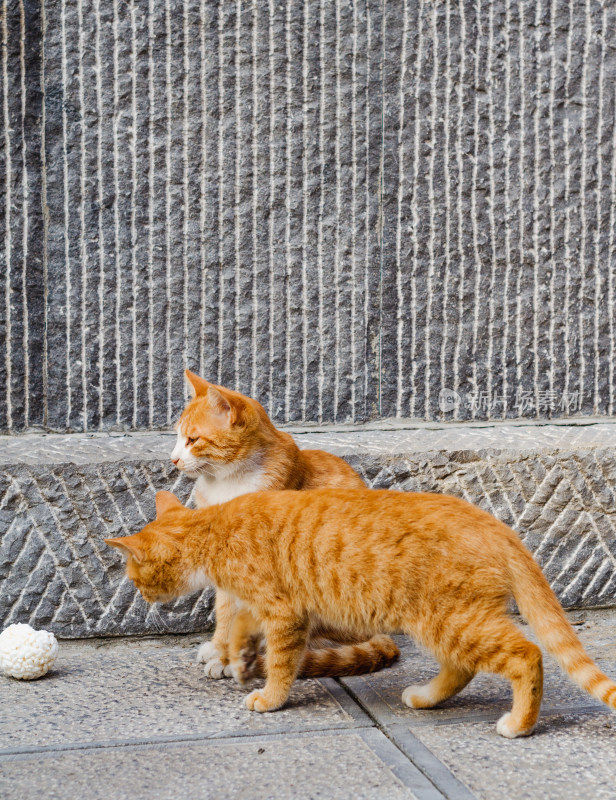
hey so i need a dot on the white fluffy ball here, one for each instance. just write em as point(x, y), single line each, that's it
point(25, 653)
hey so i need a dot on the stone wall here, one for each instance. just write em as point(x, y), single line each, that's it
point(60, 496)
point(342, 209)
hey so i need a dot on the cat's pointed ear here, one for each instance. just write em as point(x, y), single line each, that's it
point(221, 406)
point(128, 546)
point(196, 385)
point(165, 501)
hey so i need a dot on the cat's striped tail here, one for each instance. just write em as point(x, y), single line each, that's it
point(347, 659)
point(539, 606)
point(350, 659)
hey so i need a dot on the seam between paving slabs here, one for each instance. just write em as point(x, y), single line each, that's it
point(400, 765)
point(214, 739)
point(424, 759)
point(382, 745)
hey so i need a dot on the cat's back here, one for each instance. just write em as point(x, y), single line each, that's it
point(365, 539)
point(377, 516)
point(324, 470)
point(289, 467)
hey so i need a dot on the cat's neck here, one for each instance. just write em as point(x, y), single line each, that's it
point(228, 481)
point(277, 464)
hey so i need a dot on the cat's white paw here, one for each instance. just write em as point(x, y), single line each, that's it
point(256, 702)
point(504, 727)
point(418, 696)
point(207, 652)
point(217, 670)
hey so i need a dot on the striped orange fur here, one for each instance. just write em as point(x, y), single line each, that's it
point(368, 562)
point(372, 655)
point(227, 441)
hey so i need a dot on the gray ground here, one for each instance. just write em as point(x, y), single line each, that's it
point(137, 718)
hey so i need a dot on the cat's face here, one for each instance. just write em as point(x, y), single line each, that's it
point(152, 563)
point(218, 428)
point(155, 560)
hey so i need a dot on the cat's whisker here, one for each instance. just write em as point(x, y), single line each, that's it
point(152, 617)
point(163, 624)
point(157, 617)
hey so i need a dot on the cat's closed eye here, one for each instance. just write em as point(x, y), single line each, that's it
point(190, 441)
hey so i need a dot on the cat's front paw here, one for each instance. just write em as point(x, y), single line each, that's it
point(256, 701)
point(216, 669)
point(207, 652)
point(238, 670)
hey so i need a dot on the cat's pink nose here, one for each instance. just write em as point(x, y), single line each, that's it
point(175, 461)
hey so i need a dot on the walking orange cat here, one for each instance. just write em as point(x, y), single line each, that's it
point(430, 566)
point(229, 444)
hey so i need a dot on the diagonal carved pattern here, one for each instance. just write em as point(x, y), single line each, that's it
point(55, 571)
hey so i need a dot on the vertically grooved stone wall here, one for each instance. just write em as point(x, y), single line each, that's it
point(340, 208)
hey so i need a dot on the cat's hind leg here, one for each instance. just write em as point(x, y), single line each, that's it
point(446, 684)
point(507, 652)
point(286, 643)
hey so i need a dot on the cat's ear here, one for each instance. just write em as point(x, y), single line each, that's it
point(128, 546)
point(221, 407)
point(197, 386)
point(165, 501)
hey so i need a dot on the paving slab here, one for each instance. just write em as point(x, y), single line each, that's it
point(116, 714)
point(146, 690)
point(311, 766)
point(569, 757)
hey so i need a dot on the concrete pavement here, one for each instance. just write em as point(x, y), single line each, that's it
point(132, 718)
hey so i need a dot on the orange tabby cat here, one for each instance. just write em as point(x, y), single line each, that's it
point(431, 566)
point(227, 441)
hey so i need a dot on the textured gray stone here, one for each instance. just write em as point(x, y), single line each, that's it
point(334, 767)
point(55, 568)
point(22, 256)
point(61, 495)
point(341, 209)
point(146, 690)
point(127, 718)
point(388, 438)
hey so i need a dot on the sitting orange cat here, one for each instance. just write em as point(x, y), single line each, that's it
point(228, 442)
point(428, 565)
